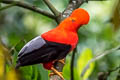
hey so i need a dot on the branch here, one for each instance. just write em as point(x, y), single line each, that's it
point(72, 64)
point(29, 7)
point(99, 56)
point(6, 7)
point(105, 75)
point(73, 4)
point(52, 8)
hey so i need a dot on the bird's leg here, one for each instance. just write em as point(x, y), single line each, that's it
point(55, 72)
point(62, 61)
point(52, 73)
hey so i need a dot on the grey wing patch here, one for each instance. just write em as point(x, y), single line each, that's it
point(47, 51)
point(32, 45)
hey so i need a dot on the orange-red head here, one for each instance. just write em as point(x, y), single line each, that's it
point(81, 16)
point(78, 18)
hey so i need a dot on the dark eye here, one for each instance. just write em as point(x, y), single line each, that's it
point(73, 20)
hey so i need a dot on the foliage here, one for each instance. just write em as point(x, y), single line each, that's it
point(83, 59)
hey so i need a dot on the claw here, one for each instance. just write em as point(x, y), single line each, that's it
point(52, 73)
point(62, 61)
point(55, 72)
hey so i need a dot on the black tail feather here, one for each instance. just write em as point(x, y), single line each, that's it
point(17, 65)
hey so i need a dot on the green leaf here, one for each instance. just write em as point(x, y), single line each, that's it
point(43, 73)
point(35, 72)
point(27, 72)
point(66, 72)
point(85, 56)
point(114, 75)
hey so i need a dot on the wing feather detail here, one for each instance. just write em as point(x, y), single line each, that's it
point(34, 44)
point(39, 50)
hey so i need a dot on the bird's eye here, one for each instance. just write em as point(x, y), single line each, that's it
point(73, 20)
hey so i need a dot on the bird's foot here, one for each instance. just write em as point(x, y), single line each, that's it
point(55, 72)
point(52, 73)
point(62, 61)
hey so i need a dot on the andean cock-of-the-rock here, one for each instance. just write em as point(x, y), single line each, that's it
point(55, 44)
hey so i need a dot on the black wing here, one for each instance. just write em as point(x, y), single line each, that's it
point(39, 50)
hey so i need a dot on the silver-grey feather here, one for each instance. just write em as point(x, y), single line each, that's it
point(34, 44)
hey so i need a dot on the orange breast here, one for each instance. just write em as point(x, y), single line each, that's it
point(61, 36)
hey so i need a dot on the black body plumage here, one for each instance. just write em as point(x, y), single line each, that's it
point(39, 50)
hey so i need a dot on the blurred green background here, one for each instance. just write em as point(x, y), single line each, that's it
point(18, 26)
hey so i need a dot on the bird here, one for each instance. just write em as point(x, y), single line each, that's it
point(55, 44)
